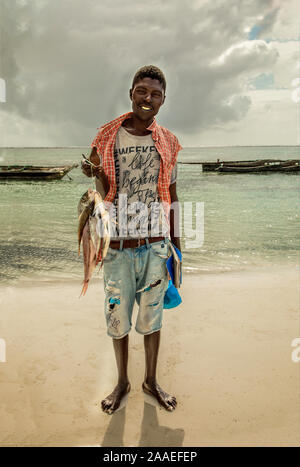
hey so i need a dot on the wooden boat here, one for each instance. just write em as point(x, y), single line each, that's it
point(212, 166)
point(282, 166)
point(34, 172)
point(258, 165)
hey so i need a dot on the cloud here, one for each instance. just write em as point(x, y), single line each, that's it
point(286, 25)
point(68, 65)
point(264, 24)
point(245, 56)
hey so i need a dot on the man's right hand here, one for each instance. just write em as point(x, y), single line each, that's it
point(88, 169)
point(91, 171)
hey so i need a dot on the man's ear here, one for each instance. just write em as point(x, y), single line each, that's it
point(130, 94)
point(163, 99)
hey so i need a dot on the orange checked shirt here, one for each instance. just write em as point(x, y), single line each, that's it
point(165, 142)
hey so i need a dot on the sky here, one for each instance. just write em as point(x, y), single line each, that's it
point(232, 68)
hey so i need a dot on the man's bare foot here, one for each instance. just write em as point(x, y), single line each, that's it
point(166, 400)
point(112, 402)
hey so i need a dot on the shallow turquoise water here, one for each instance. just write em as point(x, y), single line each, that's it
point(250, 220)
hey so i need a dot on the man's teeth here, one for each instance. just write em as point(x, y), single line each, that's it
point(146, 108)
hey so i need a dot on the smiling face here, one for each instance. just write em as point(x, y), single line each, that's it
point(147, 96)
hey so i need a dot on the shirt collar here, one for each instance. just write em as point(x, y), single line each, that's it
point(152, 127)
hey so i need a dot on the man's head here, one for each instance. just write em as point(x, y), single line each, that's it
point(147, 92)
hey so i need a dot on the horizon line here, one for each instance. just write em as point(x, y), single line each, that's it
point(184, 147)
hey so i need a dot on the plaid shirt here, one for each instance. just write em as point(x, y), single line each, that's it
point(165, 142)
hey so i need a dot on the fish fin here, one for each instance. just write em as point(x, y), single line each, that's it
point(84, 288)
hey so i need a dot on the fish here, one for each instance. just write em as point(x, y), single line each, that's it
point(103, 227)
point(89, 257)
point(85, 209)
point(93, 232)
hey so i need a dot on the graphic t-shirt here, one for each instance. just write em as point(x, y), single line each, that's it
point(137, 165)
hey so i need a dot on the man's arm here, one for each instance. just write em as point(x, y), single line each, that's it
point(91, 171)
point(174, 217)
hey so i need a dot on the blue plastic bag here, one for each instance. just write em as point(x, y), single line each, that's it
point(172, 297)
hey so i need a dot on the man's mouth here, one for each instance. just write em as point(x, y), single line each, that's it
point(146, 108)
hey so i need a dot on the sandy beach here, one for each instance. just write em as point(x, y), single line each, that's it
point(225, 353)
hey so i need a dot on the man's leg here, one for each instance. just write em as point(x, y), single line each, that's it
point(112, 402)
point(150, 385)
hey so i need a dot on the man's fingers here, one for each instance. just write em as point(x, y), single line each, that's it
point(90, 170)
point(97, 170)
point(86, 169)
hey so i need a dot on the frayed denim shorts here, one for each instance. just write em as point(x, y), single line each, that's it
point(135, 274)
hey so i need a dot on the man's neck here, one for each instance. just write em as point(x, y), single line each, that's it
point(137, 127)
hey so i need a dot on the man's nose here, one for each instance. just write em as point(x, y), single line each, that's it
point(148, 98)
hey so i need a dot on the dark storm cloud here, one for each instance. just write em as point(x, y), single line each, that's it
point(69, 64)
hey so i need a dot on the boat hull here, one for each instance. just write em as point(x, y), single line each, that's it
point(259, 169)
point(34, 173)
point(255, 166)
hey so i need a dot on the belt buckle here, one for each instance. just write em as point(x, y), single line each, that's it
point(139, 242)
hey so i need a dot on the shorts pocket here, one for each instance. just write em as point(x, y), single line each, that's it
point(110, 255)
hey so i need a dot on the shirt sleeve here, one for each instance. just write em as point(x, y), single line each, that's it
point(175, 149)
point(179, 147)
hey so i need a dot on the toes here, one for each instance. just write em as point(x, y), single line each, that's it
point(106, 404)
point(168, 405)
point(171, 400)
point(112, 408)
point(172, 403)
point(108, 410)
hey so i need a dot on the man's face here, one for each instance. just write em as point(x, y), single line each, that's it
point(147, 96)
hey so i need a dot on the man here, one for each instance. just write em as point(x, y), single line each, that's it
point(138, 162)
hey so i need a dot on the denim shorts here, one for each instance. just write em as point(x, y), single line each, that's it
point(135, 274)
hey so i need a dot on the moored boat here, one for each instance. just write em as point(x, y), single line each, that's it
point(258, 165)
point(34, 172)
point(282, 166)
point(212, 166)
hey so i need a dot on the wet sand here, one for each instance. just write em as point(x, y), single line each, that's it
point(225, 353)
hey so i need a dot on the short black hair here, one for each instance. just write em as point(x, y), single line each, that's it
point(150, 71)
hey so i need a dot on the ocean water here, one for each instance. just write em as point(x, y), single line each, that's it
point(250, 220)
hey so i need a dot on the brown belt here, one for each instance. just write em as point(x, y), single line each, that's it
point(134, 242)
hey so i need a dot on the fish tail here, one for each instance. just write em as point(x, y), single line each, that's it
point(84, 288)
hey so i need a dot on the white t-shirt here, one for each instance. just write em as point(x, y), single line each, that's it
point(137, 165)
